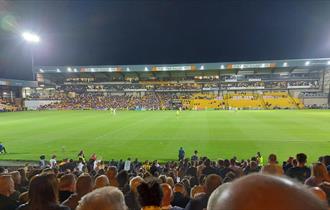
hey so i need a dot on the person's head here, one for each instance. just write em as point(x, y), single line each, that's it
point(150, 194)
point(207, 162)
point(101, 181)
point(16, 177)
point(22, 173)
point(167, 194)
point(122, 178)
point(134, 183)
point(195, 152)
point(84, 184)
point(111, 172)
point(258, 191)
point(53, 156)
point(326, 160)
point(301, 158)
point(7, 185)
point(43, 191)
point(106, 198)
point(42, 157)
point(67, 183)
point(212, 181)
point(226, 163)
point(179, 188)
point(320, 171)
point(170, 181)
point(272, 158)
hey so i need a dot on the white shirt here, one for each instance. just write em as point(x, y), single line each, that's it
point(127, 165)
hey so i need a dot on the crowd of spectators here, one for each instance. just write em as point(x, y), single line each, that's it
point(194, 183)
point(149, 101)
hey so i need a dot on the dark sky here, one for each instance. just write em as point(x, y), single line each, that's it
point(149, 32)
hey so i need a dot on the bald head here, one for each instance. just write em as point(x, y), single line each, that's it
point(167, 194)
point(7, 185)
point(212, 181)
point(259, 191)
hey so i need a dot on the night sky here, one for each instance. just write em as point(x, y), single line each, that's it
point(160, 32)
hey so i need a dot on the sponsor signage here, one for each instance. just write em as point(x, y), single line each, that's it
point(251, 65)
point(173, 68)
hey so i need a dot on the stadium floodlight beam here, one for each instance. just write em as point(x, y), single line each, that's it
point(33, 39)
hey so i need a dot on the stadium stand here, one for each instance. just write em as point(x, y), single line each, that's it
point(192, 183)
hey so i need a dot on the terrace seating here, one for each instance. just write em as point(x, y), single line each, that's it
point(244, 100)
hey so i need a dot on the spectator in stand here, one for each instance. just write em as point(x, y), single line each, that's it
point(67, 187)
point(101, 181)
point(226, 168)
point(84, 185)
point(211, 183)
point(259, 191)
point(326, 162)
point(252, 168)
point(131, 198)
point(288, 164)
point(195, 156)
point(43, 194)
point(180, 197)
point(272, 167)
point(300, 172)
point(123, 181)
point(106, 198)
point(127, 165)
point(7, 188)
point(167, 197)
point(235, 168)
point(150, 195)
point(53, 162)
point(112, 174)
point(208, 168)
point(319, 175)
point(42, 161)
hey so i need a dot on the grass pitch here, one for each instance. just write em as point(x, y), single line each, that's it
point(159, 134)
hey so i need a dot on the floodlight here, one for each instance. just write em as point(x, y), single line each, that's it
point(69, 69)
point(31, 37)
point(307, 63)
point(202, 67)
point(222, 67)
point(127, 69)
point(75, 70)
point(146, 69)
point(42, 71)
point(285, 64)
point(58, 70)
point(328, 63)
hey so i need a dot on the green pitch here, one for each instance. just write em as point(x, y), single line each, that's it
point(159, 134)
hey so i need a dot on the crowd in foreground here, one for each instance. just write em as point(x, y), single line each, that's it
point(194, 183)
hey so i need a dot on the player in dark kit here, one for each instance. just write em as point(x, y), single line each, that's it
point(2, 148)
point(181, 153)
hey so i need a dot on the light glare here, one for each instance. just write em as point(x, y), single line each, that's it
point(30, 37)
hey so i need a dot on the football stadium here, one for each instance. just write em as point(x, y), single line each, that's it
point(219, 109)
point(159, 110)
